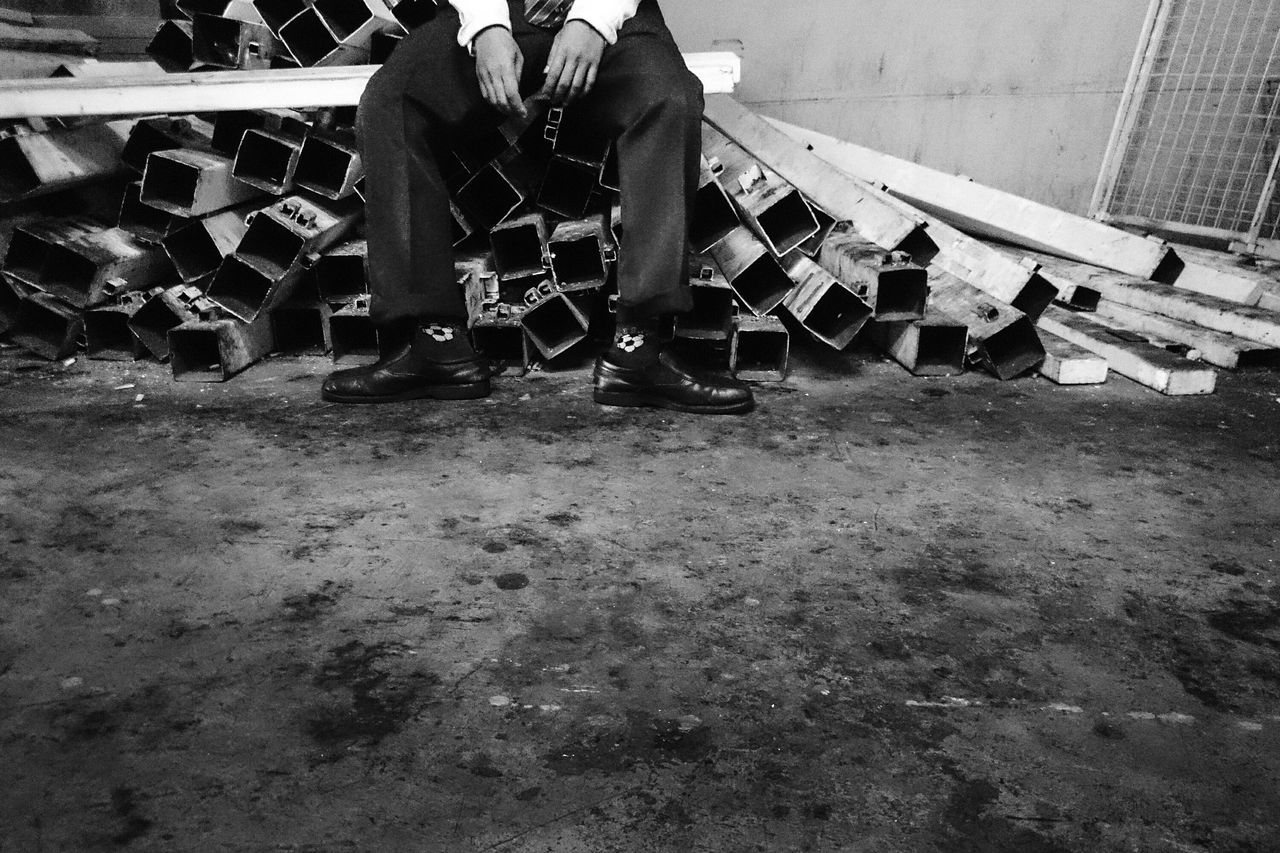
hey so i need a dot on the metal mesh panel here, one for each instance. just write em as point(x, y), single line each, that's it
point(1203, 136)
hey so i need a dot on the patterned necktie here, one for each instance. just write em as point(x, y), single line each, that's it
point(546, 13)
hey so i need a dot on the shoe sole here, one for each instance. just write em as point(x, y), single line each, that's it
point(634, 400)
point(431, 392)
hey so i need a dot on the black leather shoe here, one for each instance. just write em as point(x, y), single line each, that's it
point(667, 384)
point(409, 375)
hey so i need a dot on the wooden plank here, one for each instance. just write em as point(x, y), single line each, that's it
point(1066, 363)
point(1239, 267)
point(986, 211)
point(841, 195)
point(1217, 348)
point(239, 90)
point(1255, 324)
point(1144, 363)
point(16, 17)
point(46, 40)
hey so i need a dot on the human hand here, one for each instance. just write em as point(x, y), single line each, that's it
point(499, 63)
point(573, 63)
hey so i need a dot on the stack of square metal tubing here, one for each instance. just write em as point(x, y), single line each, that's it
point(235, 235)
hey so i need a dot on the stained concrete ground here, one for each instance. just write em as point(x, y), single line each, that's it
point(879, 614)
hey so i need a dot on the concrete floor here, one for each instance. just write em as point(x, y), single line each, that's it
point(879, 614)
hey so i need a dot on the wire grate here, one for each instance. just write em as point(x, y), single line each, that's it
point(1203, 135)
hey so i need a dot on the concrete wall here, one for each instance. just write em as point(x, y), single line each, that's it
point(1017, 94)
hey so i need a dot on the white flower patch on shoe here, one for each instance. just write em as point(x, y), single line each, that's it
point(630, 342)
point(442, 334)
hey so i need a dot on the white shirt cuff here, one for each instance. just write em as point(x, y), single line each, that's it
point(477, 15)
point(604, 16)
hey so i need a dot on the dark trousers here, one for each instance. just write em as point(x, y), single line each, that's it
point(426, 99)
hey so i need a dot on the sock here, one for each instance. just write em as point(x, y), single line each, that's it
point(635, 345)
point(443, 340)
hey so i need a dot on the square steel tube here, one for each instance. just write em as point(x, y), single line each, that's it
point(31, 243)
point(341, 273)
point(520, 247)
point(162, 134)
point(412, 13)
point(757, 278)
point(577, 139)
point(216, 350)
point(12, 292)
point(581, 253)
point(759, 349)
point(108, 336)
point(354, 22)
point(711, 318)
point(220, 42)
point(163, 310)
point(329, 166)
point(555, 325)
point(289, 232)
point(503, 340)
point(827, 309)
point(192, 183)
point(1001, 338)
point(894, 286)
point(34, 164)
point(714, 216)
point(382, 45)
point(47, 327)
point(172, 46)
point(568, 188)
point(229, 126)
point(312, 43)
point(302, 327)
point(352, 334)
point(198, 247)
point(489, 197)
point(276, 13)
point(90, 267)
point(144, 221)
point(267, 161)
point(934, 346)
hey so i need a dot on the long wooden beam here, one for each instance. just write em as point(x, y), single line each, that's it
point(990, 212)
point(1140, 361)
point(215, 91)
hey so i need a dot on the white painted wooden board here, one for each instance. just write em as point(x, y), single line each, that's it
point(987, 211)
point(1066, 363)
point(213, 91)
point(1144, 363)
point(1216, 348)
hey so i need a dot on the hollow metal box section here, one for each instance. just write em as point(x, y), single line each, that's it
point(30, 245)
point(555, 324)
point(144, 221)
point(107, 334)
point(267, 160)
point(520, 247)
point(503, 340)
point(302, 327)
point(352, 333)
point(282, 241)
point(216, 350)
point(714, 308)
point(759, 349)
point(758, 280)
point(1001, 337)
point(12, 292)
point(48, 327)
point(162, 134)
point(33, 164)
point(341, 275)
point(172, 46)
point(714, 216)
point(895, 287)
point(933, 346)
point(93, 266)
point(336, 32)
point(580, 254)
point(198, 247)
point(223, 42)
point(329, 165)
point(829, 310)
point(192, 183)
point(771, 207)
point(163, 310)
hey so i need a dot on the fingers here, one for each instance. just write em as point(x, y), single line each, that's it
point(555, 67)
point(577, 87)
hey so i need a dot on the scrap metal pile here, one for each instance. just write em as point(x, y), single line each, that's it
point(235, 234)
